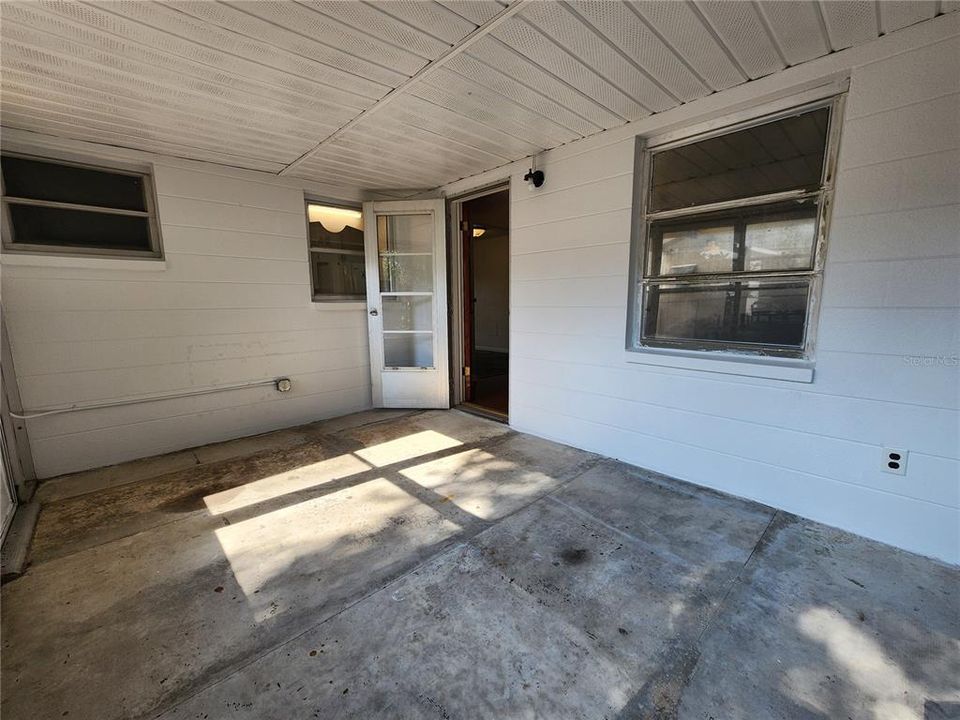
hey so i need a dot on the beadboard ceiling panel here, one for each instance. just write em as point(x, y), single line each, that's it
point(395, 94)
point(796, 28)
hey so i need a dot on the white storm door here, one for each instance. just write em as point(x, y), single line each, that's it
point(405, 244)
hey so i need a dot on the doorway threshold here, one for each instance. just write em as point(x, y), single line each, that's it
point(475, 409)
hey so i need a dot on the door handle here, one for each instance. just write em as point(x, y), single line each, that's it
point(374, 312)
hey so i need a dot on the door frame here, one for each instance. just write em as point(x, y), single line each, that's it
point(455, 286)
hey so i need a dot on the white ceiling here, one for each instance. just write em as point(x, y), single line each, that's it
point(395, 93)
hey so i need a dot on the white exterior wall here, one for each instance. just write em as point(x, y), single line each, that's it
point(891, 290)
point(232, 304)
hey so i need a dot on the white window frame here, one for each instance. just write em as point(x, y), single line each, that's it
point(360, 298)
point(731, 357)
point(150, 201)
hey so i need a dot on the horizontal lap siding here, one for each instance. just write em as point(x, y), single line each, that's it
point(891, 294)
point(232, 306)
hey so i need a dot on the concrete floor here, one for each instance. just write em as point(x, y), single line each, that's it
point(436, 565)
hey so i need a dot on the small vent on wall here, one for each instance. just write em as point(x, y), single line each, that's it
point(895, 461)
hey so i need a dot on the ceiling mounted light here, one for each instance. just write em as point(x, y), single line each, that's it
point(335, 219)
point(478, 231)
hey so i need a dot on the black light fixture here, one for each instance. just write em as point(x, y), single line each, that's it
point(534, 178)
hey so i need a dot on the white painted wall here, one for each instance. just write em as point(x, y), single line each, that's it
point(231, 305)
point(892, 292)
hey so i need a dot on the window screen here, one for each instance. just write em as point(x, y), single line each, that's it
point(67, 208)
point(730, 238)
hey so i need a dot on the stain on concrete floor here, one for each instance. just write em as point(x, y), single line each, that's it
point(437, 565)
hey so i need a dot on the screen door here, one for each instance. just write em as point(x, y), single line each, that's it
point(405, 247)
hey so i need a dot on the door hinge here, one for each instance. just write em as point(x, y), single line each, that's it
point(466, 371)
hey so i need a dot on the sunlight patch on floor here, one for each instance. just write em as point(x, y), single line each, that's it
point(285, 483)
point(862, 663)
point(407, 448)
point(323, 541)
point(479, 482)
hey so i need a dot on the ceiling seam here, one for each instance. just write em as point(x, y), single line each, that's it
point(518, 103)
point(824, 28)
point(445, 138)
point(446, 6)
point(618, 50)
point(547, 71)
point(126, 18)
point(17, 88)
point(408, 24)
point(240, 8)
point(139, 147)
point(427, 70)
point(120, 72)
point(281, 48)
point(124, 73)
point(758, 8)
point(43, 107)
point(479, 122)
point(534, 90)
point(397, 164)
point(670, 48)
point(354, 29)
point(467, 155)
point(698, 13)
point(603, 78)
point(84, 85)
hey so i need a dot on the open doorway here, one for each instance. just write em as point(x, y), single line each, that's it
point(483, 312)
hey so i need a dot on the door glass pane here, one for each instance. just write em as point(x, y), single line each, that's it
point(769, 312)
point(408, 312)
point(786, 154)
point(405, 234)
point(408, 350)
point(406, 273)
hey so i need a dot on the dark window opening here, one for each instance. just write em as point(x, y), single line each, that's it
point(64, 208)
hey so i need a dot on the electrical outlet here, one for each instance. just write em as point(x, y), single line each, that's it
point(895, 461)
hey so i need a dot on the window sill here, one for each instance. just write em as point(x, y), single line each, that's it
point(91, 262)
point(325, 304)
point(800, 371)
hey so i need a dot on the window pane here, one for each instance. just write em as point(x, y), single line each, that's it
point(694, 248)
point(34, 225)
point(408, 312)
point(785, 244)
point(338, 274)
point(763, 312)
point(787, 154)
point(66, 183)
point(764, 238)
point(408, 350)
point(348, 238)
